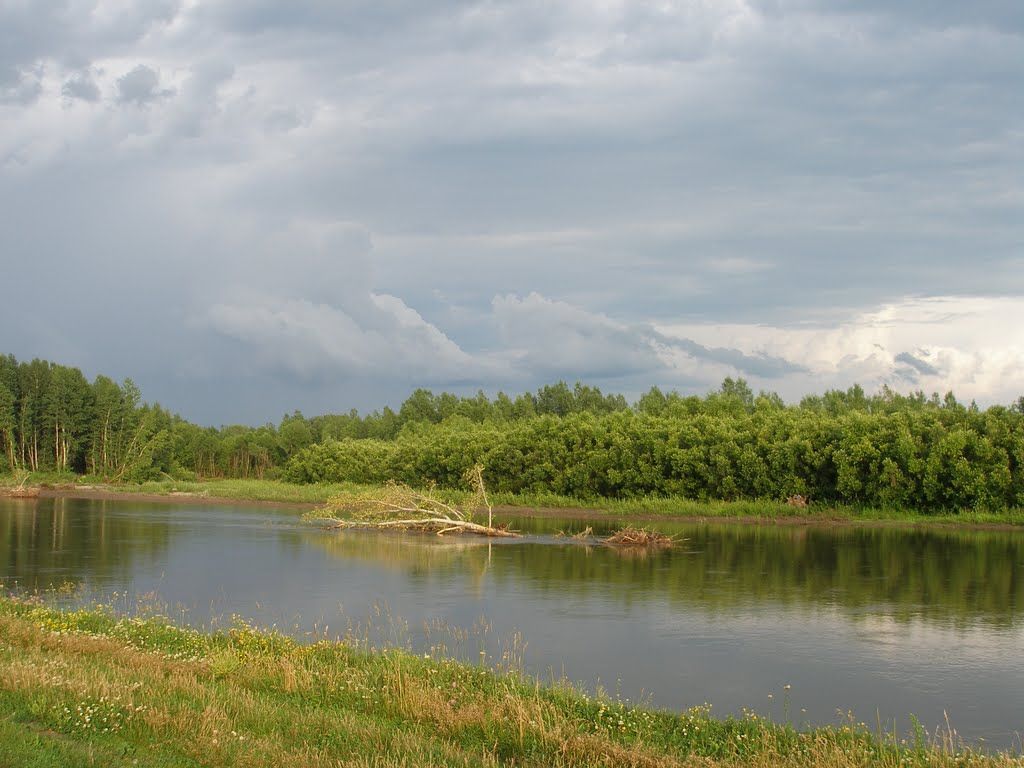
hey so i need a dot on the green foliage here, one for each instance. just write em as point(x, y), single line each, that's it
point(886, 451)
point(729, 446)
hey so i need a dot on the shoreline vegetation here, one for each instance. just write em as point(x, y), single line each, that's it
point(89, 687)
point(851, 454)
point(303, 498)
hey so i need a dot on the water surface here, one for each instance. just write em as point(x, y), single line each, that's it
point(880, 622)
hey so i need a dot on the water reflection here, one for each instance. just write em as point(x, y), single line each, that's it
point(940, 576)
point(47, 542)
point(882, 620)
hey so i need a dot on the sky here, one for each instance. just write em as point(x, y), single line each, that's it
point(252, 206)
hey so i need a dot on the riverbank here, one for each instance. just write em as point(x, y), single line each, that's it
point(87, 688)
point(303, 498)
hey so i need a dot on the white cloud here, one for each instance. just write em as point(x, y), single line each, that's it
point(973, 346)
point(310, 338)
point(553, 338)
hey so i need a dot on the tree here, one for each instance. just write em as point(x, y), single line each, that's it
point(33, 383)
point(107, 399)
point(7, 425)
point(419, 406)
point(556, 399)
point(66, 404)
point(294, 434)
point(737, 390)
point(652, 402)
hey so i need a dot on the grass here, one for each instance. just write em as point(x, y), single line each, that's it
point(86, 687)
point(277, 491)
point(242, 490)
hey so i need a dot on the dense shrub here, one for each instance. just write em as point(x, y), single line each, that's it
point(927, 459)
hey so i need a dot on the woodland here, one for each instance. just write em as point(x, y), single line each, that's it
point(886, 450)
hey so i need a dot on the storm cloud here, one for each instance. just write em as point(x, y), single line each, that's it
point(250, 207)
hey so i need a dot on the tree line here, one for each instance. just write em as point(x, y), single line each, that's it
point(844, 446)
point(52, 419)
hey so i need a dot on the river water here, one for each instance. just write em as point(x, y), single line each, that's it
point(873, 623)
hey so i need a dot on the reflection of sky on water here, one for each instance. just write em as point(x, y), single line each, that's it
point(730, 620)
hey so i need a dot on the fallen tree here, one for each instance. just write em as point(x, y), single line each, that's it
point(397, 506)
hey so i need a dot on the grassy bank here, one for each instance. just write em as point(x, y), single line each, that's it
point(280, 492)
point(87, 688)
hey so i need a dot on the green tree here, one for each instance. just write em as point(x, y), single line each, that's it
point(294, 434)
point(419, 406)
point(7, 425)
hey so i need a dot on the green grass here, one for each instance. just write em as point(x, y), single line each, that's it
point(754, 508)
point(288, 493)
point(244, 490)
point(87, 687)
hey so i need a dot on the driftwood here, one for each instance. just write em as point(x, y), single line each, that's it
point(399, 507)
point(630, 537)
point(439, 525)
point(583, 535)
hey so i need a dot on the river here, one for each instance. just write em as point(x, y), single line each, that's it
point(811, 624)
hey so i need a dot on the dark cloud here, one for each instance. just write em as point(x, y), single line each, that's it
point(18, 87)
point(917, 364)
point(1004, 15)
point(141, 86)
point(358, 17)
point(81, 86)
point(306, 188)
point(200, 100)
point(761, 365)
point(75, 33)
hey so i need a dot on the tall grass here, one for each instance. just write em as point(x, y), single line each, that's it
point(88, 688)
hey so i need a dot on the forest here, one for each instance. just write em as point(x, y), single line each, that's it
point(884, 450)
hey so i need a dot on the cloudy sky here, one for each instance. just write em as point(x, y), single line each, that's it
point(250, 206)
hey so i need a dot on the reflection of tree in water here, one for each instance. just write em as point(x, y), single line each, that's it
point(959, 577)
point(47, 542)
point(420, 556)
